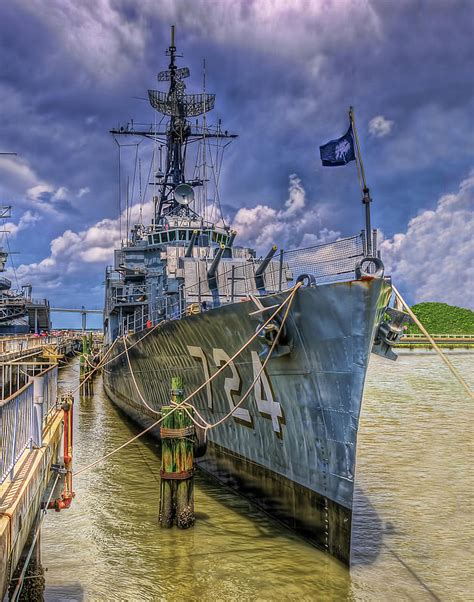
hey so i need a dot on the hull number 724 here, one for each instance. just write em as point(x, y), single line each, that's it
point(262, 391)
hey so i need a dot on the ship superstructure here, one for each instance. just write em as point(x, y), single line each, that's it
point(184, 297)
point(19, 313)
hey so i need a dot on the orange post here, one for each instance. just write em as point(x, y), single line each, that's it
point(64, 501)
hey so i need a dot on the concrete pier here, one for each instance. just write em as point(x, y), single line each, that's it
point(31, 428)
point(20, 499)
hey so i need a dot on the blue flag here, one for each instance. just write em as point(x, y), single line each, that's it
point(340, 151)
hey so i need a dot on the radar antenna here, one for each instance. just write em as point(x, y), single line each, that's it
point(178, 106)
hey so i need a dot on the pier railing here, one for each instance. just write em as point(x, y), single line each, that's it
point(22, 418)
point(444, 337)
point(24, 343)
point(16, 418)
point(50, 387)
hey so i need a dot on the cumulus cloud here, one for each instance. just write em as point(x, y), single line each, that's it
point(31, 189)
point(434, 258)
point(83, 191)
point(109, 38)
point(17, 172)
point(29, 218)
point(297, 224)
point(61, 194)
point(96, 33)
point(379, 126)
point(274, 24)
point(75, 254)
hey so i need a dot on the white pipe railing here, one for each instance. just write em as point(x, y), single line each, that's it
point(16, 421)
point(440, 336)
point(23, 416)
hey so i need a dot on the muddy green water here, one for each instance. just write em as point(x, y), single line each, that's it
point(412, 526)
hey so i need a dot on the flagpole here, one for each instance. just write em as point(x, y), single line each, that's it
point(366, 200)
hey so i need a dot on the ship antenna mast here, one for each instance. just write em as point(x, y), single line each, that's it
point(204, 125)
point(176, 193)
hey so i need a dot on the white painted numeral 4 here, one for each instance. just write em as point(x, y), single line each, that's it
point(266, 405)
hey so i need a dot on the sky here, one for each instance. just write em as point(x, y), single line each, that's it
point(284, 75)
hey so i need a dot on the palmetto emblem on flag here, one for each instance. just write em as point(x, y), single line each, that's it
point(342, 149)
point(339, 151)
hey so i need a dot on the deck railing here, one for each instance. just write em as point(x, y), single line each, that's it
point(329, 262)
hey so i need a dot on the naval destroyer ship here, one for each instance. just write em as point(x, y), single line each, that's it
point(184, 297)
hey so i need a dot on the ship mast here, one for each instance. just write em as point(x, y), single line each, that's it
point(178, 128)
point(176, 192)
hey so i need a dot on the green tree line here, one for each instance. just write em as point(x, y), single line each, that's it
point(441, 318)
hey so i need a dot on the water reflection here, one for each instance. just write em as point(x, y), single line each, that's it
point(411, 526)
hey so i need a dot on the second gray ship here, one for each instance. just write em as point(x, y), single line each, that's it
point(185, 298)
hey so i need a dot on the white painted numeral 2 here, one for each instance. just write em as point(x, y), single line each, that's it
point(231, 385)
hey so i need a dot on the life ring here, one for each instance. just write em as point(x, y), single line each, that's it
point(362, 268)
point(309, 278)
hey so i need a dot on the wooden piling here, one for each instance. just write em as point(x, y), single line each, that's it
point(177, 464)
point(85, 368)
point(167, 511)
point(185, 465)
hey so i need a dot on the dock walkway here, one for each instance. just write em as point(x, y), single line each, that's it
point(31, 427)
point(445, 340)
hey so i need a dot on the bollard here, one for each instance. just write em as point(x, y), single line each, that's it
point(177, 464)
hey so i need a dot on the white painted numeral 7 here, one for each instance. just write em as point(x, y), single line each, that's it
point(199, 354)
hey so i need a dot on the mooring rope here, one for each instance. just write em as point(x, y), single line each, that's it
point(103, 363)
point(442, 355)
point(135, 381)
point(191, 395)
point(207, 425)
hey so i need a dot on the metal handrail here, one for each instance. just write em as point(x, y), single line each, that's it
point(23, 416)
point(16, 434)
point(27, 342)
point(50, 385)
point(333, 261)
point(440, 336)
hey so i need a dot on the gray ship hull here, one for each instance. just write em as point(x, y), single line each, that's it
point(291, 447)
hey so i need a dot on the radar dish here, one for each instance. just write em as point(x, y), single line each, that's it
point(184, 194)
point(181, 73)
point(184, 105)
